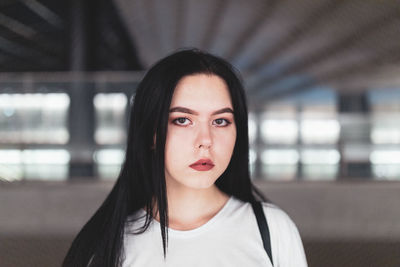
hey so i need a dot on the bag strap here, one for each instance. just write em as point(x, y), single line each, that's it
point(263, 227)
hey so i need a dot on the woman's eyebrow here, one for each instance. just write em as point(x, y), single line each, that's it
point(189, 111)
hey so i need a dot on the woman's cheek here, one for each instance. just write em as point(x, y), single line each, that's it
point(180, 135)
point(177, 139)
point(227, 137)
point(224, 144)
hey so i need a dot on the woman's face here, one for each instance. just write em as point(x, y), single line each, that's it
point(201, 126)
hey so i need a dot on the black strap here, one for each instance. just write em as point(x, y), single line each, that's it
point(263, 227)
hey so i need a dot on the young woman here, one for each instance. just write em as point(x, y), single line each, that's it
point(184, 195)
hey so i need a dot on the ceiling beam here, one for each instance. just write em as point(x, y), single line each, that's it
point(17, 27)
point(45, 13)
point(316, 16)
point(379, 77)
point(48, 46)
point(357, 37)
point(180, 21)
point(253, 27)
point(216, 17)
point(357, 68)
point(22, 51)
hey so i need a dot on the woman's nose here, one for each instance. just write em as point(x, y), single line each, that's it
point(204, 138)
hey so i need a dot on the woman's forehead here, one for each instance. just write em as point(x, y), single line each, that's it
point(201, 91)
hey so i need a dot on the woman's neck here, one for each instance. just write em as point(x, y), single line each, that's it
point(190, 208)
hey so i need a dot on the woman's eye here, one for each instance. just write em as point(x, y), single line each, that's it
point(222, 122)
point(181, 121)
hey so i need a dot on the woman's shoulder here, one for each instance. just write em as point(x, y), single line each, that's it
point(279, 220)
point(274, 212)
point(285, 236)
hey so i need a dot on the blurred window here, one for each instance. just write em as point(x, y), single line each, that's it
point(34, 118)
point(319, 123)
point(34, 164)
point(319, 164)
point(279, 164)
point(108, 162)
point(385, 109)
point(110, 118)
point(252, 128)
point(279, 125)
point(385, 133)
point(385, 163)
point(252, 161)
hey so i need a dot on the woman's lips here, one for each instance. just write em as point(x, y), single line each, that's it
point(202, 165)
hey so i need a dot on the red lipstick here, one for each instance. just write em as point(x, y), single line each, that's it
point(202, 165)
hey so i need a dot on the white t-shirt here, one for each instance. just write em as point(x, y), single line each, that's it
point(231, 238)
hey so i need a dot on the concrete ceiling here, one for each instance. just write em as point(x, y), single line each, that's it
point(281, 47)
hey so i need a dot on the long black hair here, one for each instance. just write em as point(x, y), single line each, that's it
point(141, 180)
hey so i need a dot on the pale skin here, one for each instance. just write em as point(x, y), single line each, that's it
point(201, 125)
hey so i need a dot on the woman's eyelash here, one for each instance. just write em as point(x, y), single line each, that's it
point(227, 121)
point(180, 118)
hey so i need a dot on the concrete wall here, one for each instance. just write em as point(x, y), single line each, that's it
point(321, 210)
point(347, 224)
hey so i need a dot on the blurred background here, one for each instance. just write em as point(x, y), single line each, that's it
point(323, 86)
